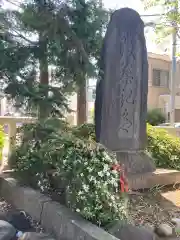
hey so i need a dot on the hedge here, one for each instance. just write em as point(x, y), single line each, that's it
point(164, 148)
point(155, 117)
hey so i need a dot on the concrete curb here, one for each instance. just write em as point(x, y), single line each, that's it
point(159, 177)
point(54, 217)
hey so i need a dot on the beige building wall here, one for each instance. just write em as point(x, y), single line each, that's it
point(155, 61)
point(161, 62)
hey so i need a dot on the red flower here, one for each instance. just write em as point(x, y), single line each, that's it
point(122, 179)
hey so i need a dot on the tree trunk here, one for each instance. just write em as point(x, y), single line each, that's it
point(81, 104)
point(43, 65)
point(44, 77)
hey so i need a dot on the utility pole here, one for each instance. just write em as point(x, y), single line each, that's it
point(173, 79)
point(173, 69)
point(87, 99)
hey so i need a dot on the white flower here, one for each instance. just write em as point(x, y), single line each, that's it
point(91, 178)
point(112, 197)
point(80, 193)
point(89, 169)
point(106, 167)
point(86, 188)
point(100, 174)
point(108, 174)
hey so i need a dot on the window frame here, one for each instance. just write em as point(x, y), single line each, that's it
point(160, 80)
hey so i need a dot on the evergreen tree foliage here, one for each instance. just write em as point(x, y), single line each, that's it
point(43, 35)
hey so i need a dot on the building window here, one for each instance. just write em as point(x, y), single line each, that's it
point(160, 78)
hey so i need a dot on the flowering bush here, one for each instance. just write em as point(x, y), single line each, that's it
point(91, 186)
point(83, 168)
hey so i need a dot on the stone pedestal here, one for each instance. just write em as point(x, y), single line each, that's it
point(136, 162)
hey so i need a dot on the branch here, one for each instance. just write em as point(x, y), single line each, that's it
point(23, 37)
point(6, 37)
point(64, 10)
point(13, 3)
point(10, 34)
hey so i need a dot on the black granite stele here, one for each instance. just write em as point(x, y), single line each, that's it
point(121, 92)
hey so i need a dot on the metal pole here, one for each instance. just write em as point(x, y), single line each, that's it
point(87, 100)
point(173, 74)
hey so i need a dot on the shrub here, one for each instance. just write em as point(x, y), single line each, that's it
point(26, 159)
point(82, 166)
point(164, 148)
point(86, 131)
point(155, 117)
point(91, 185)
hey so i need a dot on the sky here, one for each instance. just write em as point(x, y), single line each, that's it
point(135, 4)
point(138, 6)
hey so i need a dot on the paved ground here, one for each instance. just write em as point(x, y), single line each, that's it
point(20, 220)
point(173, 197)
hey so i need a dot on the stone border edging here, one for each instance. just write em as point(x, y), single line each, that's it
point(54, 217)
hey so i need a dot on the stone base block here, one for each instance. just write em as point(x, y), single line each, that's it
point(161, 177)
point(136, 162)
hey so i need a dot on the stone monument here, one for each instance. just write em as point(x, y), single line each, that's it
point(121, 92)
